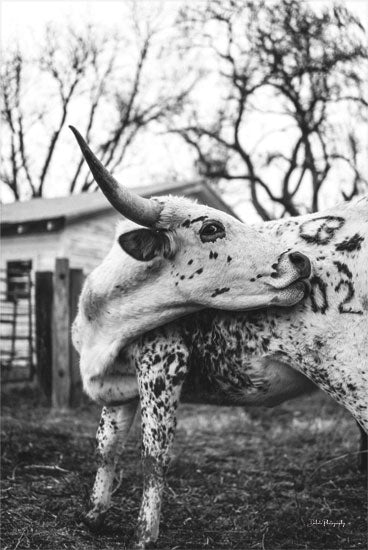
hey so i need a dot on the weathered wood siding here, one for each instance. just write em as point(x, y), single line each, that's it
point(86, 243)
point(41, 248)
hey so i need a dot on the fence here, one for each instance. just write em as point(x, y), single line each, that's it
point(17, 324)
point(56, 298)
point(35, 321)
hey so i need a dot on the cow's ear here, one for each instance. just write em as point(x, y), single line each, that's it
point(146, 244)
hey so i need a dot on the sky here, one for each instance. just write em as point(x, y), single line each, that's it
point(18, 16)
point(24, 21)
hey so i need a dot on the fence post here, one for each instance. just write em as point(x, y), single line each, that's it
point(61, 380)
point(43, 311)
point(76, 282)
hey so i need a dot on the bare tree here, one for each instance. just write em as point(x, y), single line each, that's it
point(308, 69)
point(102, 76)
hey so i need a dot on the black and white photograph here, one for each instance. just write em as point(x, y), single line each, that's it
point(184, 274)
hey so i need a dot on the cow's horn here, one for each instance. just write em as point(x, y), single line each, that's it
point(138, 209)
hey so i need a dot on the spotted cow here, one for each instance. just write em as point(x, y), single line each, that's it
point(245, 358)
point(188, 257)
point(183, 257)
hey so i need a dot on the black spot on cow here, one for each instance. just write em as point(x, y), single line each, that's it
point(350, 244)
point(318, 342)
point(219, 291)
point(200, 219)
point(229, 258)
point(343, 268)
point(182, 277)
point(159, 386)
point(178, 378)
point(156, 359)
point(318, 295)
point(199, 271)
point(114, 425)
point(170, 359)
point(190, 262)
point(321, 230)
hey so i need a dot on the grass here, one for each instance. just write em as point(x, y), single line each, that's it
point(240, 479)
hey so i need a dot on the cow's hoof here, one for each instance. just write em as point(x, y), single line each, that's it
point(137, 544)
point(94, 519)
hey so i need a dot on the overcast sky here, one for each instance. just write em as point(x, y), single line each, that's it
point(20, 16)
point(24, 20)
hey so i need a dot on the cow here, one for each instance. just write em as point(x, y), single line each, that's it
point(252, 358)
point(181, 258)
point(243, 358)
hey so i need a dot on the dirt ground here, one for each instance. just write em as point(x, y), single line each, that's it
point(240, 479)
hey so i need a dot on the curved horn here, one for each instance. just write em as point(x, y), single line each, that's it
point(138, 209)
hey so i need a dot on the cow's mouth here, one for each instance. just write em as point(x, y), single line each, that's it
point(292, 293)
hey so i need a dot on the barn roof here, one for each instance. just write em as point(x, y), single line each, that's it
point(43, 214)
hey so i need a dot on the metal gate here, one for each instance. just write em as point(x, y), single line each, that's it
point(16, 322)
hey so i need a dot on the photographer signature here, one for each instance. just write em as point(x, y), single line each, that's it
point(326, 523)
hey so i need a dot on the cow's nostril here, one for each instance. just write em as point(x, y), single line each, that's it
point(301, 262)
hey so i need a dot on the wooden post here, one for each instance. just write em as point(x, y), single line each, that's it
point(76, 282)
point(43, 298)
point(61, 380)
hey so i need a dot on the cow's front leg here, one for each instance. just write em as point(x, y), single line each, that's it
point(159, 386)
point(111, 434)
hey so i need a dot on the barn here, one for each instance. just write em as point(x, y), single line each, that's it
point(34, 234)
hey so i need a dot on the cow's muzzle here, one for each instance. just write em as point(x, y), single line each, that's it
point(301, 263)
point(290, 268)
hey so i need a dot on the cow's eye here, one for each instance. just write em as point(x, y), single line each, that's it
point(211, 230)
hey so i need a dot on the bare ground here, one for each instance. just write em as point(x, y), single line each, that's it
point(254, 479)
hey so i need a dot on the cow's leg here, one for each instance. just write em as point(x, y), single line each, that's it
point(111, 434)
point(363, 456)
point(159, 386)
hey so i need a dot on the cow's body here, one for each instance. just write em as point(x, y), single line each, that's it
point(258, 358)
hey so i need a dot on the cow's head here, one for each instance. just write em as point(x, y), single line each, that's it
point(182, 257)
